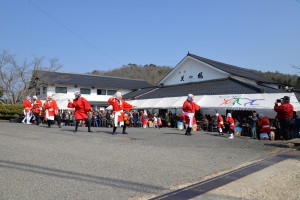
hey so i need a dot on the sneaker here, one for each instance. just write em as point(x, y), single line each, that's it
point(231, 136)
point(28, 123)
point(23, 122)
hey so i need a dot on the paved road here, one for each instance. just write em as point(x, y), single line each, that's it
point(37, 162)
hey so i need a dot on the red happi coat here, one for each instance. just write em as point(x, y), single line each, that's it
point(230, 121)
point(220, 121)
point(81, 106)
point(27, 105)
point(37, 106)
point(264, 125)
point(190, 107)
point(50, 107)
point(119, 107)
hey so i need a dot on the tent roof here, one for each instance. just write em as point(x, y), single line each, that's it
point(212, 87)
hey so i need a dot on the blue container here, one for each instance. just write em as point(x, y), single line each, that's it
point(180, 125)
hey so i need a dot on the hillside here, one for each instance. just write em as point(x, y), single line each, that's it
point(153, 74)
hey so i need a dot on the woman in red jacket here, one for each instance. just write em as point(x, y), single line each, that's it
point(119, 105)
point(82, 107)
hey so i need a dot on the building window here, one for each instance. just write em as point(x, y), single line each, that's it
point(111, 92)
point(61, 90)
point(85, 91)
point(101, 92)
point(44, 90)
point(37, 91)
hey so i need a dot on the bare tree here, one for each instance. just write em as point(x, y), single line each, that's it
point(17, 79)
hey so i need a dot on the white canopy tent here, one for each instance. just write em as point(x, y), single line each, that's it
point(210, 104)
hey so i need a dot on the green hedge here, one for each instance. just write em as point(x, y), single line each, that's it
point(11, 111)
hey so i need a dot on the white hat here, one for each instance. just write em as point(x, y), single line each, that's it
point(34, 97)
point(229, 115)
point(217, 114)
point(118, 95)
point(261, 115)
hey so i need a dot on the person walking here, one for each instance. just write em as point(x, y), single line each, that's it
point(27, 110)
point(82, 107)
point(119, 105)
point(220, 123)
point(50, 106)
point(284, 116)
point(189, 107)
point(231, 125)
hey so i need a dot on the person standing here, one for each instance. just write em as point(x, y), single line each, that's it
point(155, 121)
point(220, 123)
point(82, 107)
point(145, 119)
point(231, 125)
point(27, 110)
point(37, 109)
point(57, 117)
point(189, 107)
point(50, 107)
point(284, 116)
point(119, 105)
point(253, 124)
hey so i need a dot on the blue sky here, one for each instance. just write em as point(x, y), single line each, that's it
point(89, 35)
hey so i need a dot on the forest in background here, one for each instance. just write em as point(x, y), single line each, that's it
point(154, 73)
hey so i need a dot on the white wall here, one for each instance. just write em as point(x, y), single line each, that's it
point(193, 70)
point(62, 99)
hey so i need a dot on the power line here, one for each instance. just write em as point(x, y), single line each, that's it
point(72, 32)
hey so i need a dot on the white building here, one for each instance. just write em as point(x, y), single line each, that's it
point(96, 89)
point(217, 87)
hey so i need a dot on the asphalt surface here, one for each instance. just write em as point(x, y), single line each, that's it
point(37, 162)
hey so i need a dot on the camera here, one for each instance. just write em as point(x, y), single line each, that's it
point(278, 100)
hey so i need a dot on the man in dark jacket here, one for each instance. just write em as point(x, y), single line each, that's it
point(284, 116)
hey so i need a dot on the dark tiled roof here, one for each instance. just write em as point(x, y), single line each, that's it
point(88, 80)
point(215, 87)
point(234, 70)
point(137, 93)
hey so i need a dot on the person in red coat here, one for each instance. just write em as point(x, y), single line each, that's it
point(231, 124)
point(220, 123)
point(82, 107)
point(37, 109)
point(144, 119)
point(50, 107)
point(264, 125)
point(119, 105)
point(285, 116)
point(189, 107)
point(27, 110)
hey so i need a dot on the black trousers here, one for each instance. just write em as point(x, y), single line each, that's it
point(286, 129)
point(36, 118)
